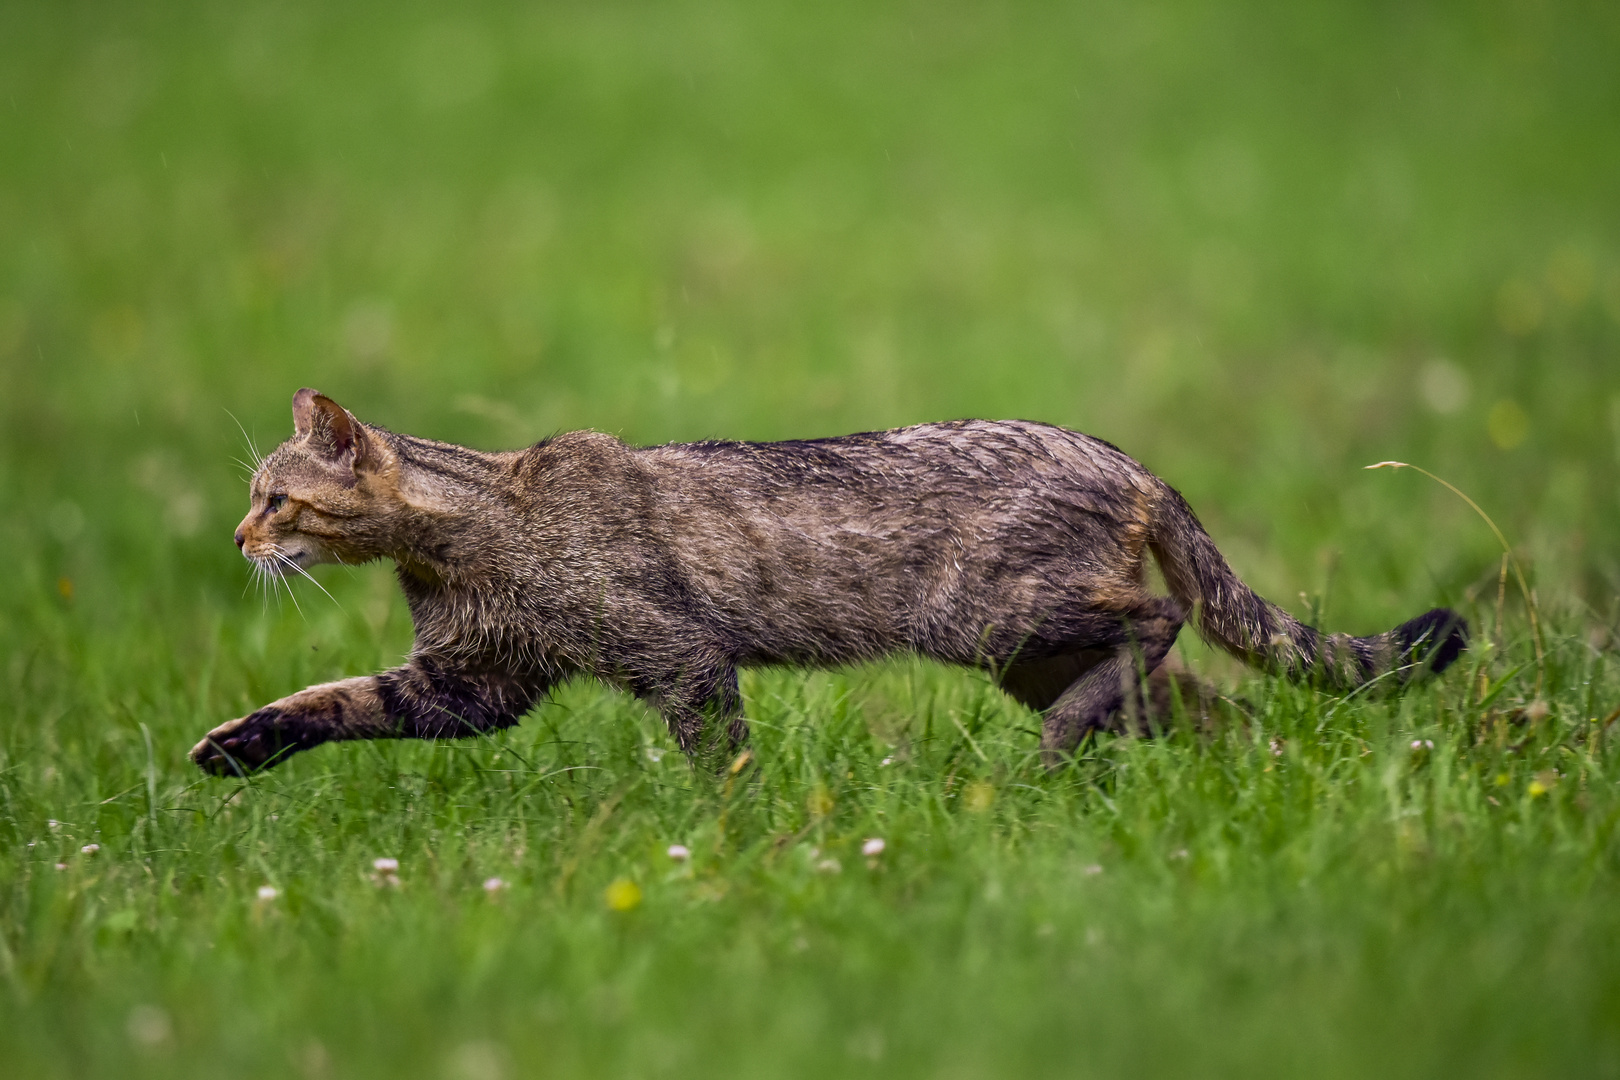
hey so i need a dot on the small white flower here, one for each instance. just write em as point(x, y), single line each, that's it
point(873, 847)
point(90, 849)
point(829, 866)
point(387, 872)
point(268, 893)
point(1422, 744)
point(1276, 748)
point(53, 824)
point(494, 885)
point(887, 761)
point(61, 866)
point(679, 852)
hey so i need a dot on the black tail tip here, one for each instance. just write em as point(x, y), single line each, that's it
point(1433, 640)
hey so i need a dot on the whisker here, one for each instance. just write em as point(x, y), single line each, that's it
point(286, 583)
point(294, 564)
point(261, 578)
point(253, 451)
point(282, 578)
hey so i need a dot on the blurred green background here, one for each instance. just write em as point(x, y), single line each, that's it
point(1258, 246)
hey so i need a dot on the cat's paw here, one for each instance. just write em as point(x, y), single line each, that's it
point(257, 740)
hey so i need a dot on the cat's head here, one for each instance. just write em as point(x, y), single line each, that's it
point(329, 494)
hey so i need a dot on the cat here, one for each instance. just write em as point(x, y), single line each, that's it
point(1014, 547)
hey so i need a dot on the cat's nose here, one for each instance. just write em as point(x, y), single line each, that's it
point(241, 538)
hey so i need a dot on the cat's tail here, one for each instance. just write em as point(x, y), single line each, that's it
point(1231, 615)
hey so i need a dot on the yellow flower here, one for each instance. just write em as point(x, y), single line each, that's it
point(979, 796)
point(623, 895)
point(1545, 781)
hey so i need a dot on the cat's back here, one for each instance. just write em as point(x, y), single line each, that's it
point(986, 486)
point(955, 459)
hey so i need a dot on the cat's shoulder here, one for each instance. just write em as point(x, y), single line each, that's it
point(578, 453)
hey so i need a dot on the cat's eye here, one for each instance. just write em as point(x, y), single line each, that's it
point(275, 502)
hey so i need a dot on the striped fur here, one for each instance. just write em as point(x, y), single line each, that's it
point(1014, 547)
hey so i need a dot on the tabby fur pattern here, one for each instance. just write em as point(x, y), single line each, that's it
point(1013, 547)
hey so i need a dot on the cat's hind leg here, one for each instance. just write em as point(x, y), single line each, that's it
point(1097, 694)
point(1036, 684)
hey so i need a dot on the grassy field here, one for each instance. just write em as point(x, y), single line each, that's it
point(1257, 246)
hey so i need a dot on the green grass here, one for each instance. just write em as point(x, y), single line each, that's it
point(1257, 247)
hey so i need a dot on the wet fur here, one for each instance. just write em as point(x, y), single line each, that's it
point(1014, 547)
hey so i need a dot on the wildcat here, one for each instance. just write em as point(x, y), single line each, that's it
point(1014, 547)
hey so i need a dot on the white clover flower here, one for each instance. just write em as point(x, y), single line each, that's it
point(679, 852)
point(887, 761)
point(873, 847)
point(1422, 744)
point(385, 866)
point(90, 849)
point(494, 885)
point(268, 893)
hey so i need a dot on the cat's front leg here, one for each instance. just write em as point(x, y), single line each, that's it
point(427, 698)
point(349, 709)
point(698, 703)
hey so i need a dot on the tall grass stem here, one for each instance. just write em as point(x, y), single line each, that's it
point(1507, 553)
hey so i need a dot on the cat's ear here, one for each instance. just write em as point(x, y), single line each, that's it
point(329, 428)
